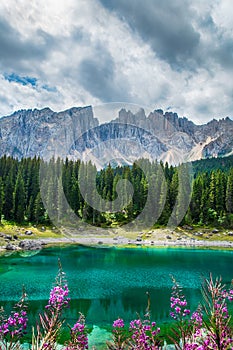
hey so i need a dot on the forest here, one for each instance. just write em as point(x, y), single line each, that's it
point(199, 193)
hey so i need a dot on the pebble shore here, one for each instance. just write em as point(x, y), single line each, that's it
point(157, 238)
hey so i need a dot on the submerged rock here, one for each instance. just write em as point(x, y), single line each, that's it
point(98, 337)
point(29, 253)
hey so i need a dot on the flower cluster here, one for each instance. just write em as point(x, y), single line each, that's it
point(178, 303)
point(204, 340)
point(59, 297)
point(227, 294)
point(119, 334)
point(144, 334)
point(213, 331)
point(15, 324)
point(51, 321)
point(197, 318)
point(119, 323)
point(218, 327)
point(13, 327)
point(78, 336)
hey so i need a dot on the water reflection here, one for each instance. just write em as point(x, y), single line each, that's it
point(109, 283)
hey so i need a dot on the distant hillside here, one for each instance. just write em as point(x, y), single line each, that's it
point(210, 164)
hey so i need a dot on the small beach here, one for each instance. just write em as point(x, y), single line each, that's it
point(120, 238)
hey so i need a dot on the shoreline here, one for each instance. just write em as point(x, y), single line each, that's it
point(118, 242)
point(124, 242)
point(182, 237)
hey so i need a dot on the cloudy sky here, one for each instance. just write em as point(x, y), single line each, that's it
point(172, 54)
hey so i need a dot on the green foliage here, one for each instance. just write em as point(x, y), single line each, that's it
point(19, 199)
point(155, 186)
point(211, 164)
point(1, 198)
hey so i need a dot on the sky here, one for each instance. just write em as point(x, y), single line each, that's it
point(172, 54)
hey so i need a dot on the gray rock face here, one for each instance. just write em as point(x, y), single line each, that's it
point(45, 133)
point(222, 144)
point(76, 133)
point(123, 141)
point(180, 135)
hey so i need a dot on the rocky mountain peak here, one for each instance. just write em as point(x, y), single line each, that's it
point(75, 132)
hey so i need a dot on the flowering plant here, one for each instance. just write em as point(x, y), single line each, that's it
point(13, 327)
point(143, 334)
point(208, 327)
point(50, 322)
point(78, 335)
point(120, 338)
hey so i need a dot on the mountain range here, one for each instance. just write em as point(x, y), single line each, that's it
point(77, 134)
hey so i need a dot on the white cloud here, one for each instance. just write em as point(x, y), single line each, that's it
point(67, 44)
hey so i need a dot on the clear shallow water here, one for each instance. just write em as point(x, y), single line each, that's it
point(106, 283)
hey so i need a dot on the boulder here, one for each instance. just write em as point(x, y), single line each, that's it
point(30, 245)
point(187, 227)
point(10, 246)
point(8, 237)
point(215, 230)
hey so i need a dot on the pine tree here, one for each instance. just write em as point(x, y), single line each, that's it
point(204, 201)
point(39, 210)
point(183, 195)
point(108, 186)
point(19, 199)
point(220, 192)
point(195, 204)
point(1, 198)
point(229, 192)
point(173, 189)
point(8, 205)
point(75, 200)
point(212, 190)
point(32, 187)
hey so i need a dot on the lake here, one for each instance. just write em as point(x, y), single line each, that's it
point(106, 283)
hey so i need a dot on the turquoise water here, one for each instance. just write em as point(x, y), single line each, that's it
point(106, 283)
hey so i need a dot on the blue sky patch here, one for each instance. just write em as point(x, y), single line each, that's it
point(13, 77)
point(49, 88)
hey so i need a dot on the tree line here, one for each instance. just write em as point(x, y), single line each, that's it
point(153, 192)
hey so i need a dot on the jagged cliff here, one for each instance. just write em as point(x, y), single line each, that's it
point(76, 133)
point(183, 139)
point(45, 133)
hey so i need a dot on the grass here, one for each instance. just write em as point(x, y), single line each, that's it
point(207, 234)
point(38, 231)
